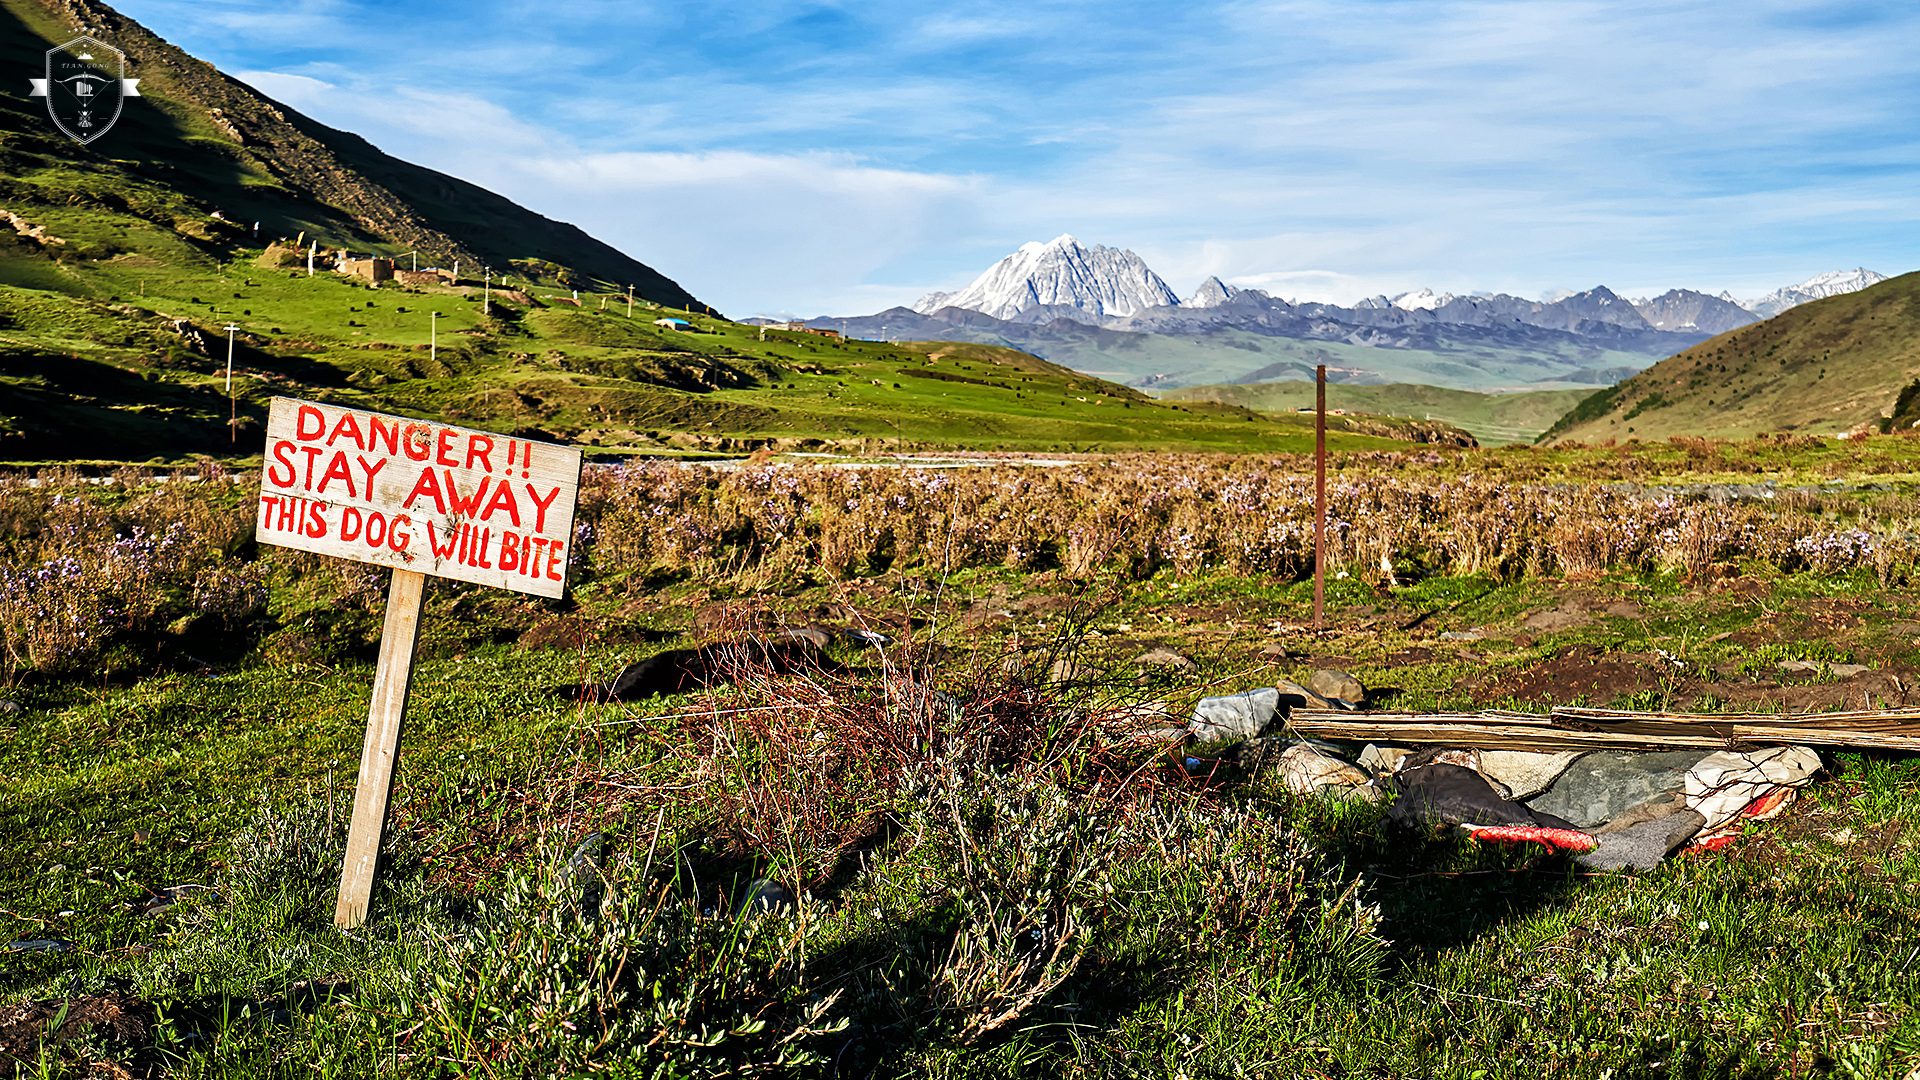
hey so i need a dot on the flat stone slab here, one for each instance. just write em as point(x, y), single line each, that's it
point(1603, 783)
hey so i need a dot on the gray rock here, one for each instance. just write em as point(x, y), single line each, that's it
point(1295, 696)
point(1606, 782)
point(1642, 846)
point(1815, 667)
point(816, 636)
point(40, 945)
point(583, 872)
point(1166, 658)
point(1523, 773)
point(1068, 671)
point(763, 895)
point(1565, 617)
point(1304, 766)
point(1234, 716)
point(9, 708)
point(1338, 687)
point(588, 858)
point(1475, 634)
point(1382, 760)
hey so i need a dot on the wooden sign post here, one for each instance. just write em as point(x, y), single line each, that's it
point(427, 500)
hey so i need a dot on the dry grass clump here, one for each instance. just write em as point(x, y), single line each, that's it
point(804, 769)
point(89, 568)
point(1136, 515)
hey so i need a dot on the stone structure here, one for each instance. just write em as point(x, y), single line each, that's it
point(374, 270)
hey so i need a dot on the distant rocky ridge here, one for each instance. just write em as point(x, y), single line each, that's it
point(1115, 289)
point(1045, 293)
point(1817, 288)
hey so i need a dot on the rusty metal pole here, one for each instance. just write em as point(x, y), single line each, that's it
point(1320, 497)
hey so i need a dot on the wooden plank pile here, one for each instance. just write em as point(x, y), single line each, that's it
point(1570, 728)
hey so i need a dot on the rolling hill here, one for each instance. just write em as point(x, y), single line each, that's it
point(1492, 419)
point(197, 141)
point(131, 270)
point(1825, 367)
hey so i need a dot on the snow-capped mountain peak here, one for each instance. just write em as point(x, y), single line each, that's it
point(1818, 287)
point(1099, 281)
point(1212, 293)
point(1424, 300)
point(931, 302)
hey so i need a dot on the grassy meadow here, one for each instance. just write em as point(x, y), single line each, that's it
point(134, 356)
point(1494, 419)
point(1000, 869)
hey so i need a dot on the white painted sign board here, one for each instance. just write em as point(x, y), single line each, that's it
point(426, 499)
point(418, 495)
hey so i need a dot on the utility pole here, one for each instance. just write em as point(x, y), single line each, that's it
point(1319, 497)
point(629, 301)
point(433, 337)
point(233, 407)
point(486, 292)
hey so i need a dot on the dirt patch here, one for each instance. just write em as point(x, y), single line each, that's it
point(1579, 672)
point(112, 1024)
point(1767, 631)
point(1043, 604)
point(733, 618)
point(1837, 613)
point(1866, 847)
point(1576, 611)
point(1206, 614)
point(1585, 673)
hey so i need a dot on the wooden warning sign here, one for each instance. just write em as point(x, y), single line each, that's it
point(418, 495)
point(426, 499)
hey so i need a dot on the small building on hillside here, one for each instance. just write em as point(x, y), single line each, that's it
point(375, 270)
point(802, 328)
point(673, 324)
point(431, 278)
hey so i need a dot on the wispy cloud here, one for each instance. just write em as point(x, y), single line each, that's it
point(855, 152)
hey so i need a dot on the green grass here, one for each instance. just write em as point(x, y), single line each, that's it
point(1494, 419)
point(1209, 930)
point(600, 378)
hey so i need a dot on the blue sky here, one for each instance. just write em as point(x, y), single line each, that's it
point(838, 158)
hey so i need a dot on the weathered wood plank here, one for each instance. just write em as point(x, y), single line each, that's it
point(392, 681)
point(1616, 729)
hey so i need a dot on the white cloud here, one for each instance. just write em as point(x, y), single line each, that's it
point(1312, 148)
point(752, 231)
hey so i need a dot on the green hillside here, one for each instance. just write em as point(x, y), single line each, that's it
point(196, 142)
point(1827, 367)
point(123, 358)
point(1492, 419)
point(123, 266)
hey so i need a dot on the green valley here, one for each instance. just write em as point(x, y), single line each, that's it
point(1492, 419)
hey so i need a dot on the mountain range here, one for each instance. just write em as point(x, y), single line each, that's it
point(1847, 362)
point(1104, 311)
